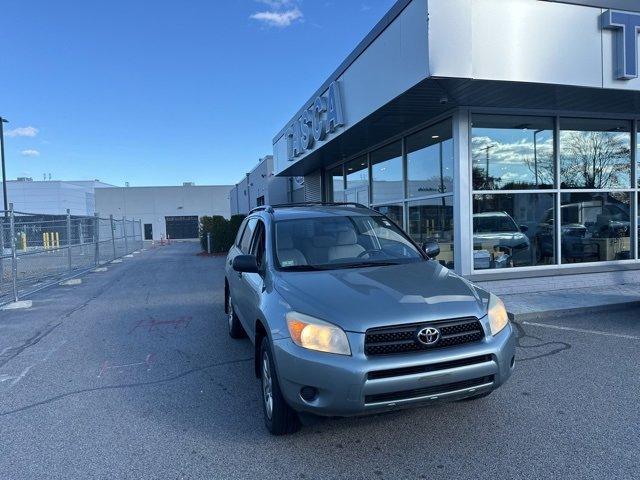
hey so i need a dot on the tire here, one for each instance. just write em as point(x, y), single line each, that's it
point(279, 418)
point(236, 330)
point(477, 397)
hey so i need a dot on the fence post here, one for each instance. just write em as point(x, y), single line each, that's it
point(14, 258)
point(69, 238)
point(96, 238)
point(141, 233)
point(113, 235)
point(2, 219)
point(124, 227)
point(209, 243)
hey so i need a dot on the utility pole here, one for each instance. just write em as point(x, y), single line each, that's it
point(4, 173)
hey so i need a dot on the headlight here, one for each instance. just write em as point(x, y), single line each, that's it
point(498, 318)
point(314, 334)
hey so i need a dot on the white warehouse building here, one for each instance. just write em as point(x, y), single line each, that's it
point(54, 197)
point(165, 211)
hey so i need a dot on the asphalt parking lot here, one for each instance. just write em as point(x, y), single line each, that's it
point(132, 375)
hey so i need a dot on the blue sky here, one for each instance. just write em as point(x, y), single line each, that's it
point(157, 92)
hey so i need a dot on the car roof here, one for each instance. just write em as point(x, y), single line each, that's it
point(297, 211)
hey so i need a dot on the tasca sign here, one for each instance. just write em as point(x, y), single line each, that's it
point(626, 26)
point(315, 123)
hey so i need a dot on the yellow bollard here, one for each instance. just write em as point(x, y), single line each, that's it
point(57, 239)
point(23, 241)
point(45, 240)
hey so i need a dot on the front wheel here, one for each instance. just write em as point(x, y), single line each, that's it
point(279, 417)
point(236, 330)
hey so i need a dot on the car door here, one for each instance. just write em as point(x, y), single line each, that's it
point(252, 283)
point(241, 247)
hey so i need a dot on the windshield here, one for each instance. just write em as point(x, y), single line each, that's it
point(341, 242)
point(494, 224)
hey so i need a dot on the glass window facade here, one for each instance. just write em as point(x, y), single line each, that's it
point(387, 182)
point(432, 219)
point(513, 230)
point(595, 227)
point(512, 152)
point(357, 175)
point(430, 161)
point(545, 190)
point(595, 153)
point(335, 184)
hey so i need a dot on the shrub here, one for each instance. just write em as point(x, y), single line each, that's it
point(223, 232)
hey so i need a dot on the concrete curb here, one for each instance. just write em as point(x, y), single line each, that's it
point(558, 313)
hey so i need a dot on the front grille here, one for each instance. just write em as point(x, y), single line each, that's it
point(404, 338)
point(433, 367)
point(427, 391)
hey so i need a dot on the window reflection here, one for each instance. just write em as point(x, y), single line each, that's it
point(357, 181)
point(335, 185)
point(595, 153)
point(430, 161)
point(394, 212)
point(595, 227)
point(432, 219)
point(386, 173)
point(513, 230)
point(512, 152)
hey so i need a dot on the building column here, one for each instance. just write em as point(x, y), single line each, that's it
point(462, 222)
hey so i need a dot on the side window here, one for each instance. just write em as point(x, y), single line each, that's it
point(245, 241)
point(258, 246)
point(243, 225)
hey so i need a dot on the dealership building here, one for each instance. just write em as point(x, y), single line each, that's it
point(505, 130)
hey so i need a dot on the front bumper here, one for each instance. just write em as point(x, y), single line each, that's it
point(346, 385)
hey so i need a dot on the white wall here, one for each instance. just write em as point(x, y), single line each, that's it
point(52, 197)
point(153, 204)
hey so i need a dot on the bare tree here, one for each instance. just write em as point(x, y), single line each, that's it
point(593, 159)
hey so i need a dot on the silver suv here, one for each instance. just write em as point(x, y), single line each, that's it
point(349, 316)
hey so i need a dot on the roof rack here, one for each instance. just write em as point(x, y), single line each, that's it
point(270, 208)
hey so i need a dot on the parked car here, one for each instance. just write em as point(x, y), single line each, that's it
point(499, 242)
point(349, 316)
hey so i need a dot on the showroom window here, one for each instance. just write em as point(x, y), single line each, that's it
point(387, 182)
point(512, 153)
point(357, 174)
point(430, 161)
point(595, 154)
point(595, 227)
point(593, 196)
point(513, 230)
point(394, 211)
point(432, 220)
point(335, 184)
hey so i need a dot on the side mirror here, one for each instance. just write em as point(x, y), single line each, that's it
point(432, 249)
point(524, 228)
point(245, 264)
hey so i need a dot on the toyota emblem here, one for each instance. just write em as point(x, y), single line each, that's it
point(429, 336)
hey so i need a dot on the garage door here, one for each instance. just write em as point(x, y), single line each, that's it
point(182, 227)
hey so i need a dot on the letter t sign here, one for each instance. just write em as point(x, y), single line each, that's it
point(626, 26)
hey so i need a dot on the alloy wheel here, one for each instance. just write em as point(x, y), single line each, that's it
point(267, 386)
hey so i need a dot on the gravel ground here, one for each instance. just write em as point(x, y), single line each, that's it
point(131, 375)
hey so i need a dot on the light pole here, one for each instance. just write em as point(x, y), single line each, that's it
point(4, 174)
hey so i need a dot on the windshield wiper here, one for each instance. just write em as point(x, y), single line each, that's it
point(303, 268)
point(364, 264)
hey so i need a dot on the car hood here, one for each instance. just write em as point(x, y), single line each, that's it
point(360, 298)
point(508, 239)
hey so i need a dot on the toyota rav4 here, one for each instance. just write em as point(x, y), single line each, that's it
point(349, 316)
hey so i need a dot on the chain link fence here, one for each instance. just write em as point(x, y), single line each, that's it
point(40, 250)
